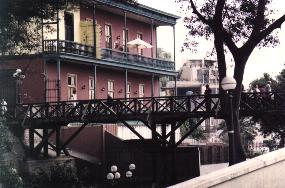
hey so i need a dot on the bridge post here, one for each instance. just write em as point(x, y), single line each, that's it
point(173, 154)
point(164, 156)
point(45, 140)
point(57, 141)
point(154, 156)
point(31, 141)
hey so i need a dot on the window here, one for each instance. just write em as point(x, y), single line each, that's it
point(108, 36)
point(125, 36)
point(141, 90)
point(69, 26)
point(128, 90)
point(111, 88)
point(91, 88)
point(140, 36)
point(71, 86)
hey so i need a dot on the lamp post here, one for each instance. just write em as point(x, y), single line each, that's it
point(19, 76)
point(228, 84)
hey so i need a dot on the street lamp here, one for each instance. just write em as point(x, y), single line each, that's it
point(19, 76)
point(228, 84)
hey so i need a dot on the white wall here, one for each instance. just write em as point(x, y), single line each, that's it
point(265, 171)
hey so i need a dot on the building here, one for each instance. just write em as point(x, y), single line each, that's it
point(88, 57)
point(194, 75)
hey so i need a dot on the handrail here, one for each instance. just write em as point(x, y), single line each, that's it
point(71, 47)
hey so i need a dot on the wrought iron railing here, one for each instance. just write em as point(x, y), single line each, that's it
point(70, 47)
point(251, 104)
point(137, 59)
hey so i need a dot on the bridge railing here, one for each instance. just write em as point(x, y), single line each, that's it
point(77, 110)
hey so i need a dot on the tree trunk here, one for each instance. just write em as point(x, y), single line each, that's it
point(240, 62)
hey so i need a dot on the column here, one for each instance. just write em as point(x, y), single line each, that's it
point(151, 38)
point(175, 86)
point(58, 80)
point(125, 29)
point(152, 85)
point(126, 83)
point(95, 80)
point(94, 33)
point(174, 58)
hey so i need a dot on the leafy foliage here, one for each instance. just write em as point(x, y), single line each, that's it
point(261, 82)
point(9, 155)
point(248, 131)
point(197, 134)
point(58, 175)
point(272, 124)
point(20, 23)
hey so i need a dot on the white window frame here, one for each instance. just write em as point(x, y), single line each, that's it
point(108, 36)
point(141, 90)
point(128, 92)
point(111, 88)
point(91, 87)
point(71, 86)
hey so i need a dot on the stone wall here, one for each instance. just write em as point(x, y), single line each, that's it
point(264, 171)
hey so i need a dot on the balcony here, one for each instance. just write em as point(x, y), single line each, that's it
point(114, 56)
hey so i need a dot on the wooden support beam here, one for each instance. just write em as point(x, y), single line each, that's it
point(73, 136)
point(191, 130)
point(39, 147)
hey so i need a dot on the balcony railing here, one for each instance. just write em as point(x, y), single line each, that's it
point(70, 47)
point(136, 59)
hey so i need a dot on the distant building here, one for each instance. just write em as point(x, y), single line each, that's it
point(193, 76)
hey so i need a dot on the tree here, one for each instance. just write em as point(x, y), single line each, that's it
point(271, 124)
point(239, 26)
point(261, 82)
point(248, 132)
point(163, 54)
point(197, 134)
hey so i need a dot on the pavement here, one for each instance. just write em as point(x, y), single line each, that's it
point(206, 169)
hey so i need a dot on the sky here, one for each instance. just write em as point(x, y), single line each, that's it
point(269, 60)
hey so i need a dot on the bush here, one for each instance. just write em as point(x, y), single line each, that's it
point(58, 175)
point(9, 155)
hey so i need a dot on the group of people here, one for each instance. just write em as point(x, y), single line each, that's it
point(266, 88)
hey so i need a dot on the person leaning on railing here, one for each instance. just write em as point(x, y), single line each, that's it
point(3, 106)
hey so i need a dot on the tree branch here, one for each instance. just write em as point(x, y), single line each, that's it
point(219, 12)
point(259, 19)
point(270, 28)
point(200, 16)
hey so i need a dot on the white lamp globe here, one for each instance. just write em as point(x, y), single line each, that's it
point(117, 175)
point(228, 83)
point(114, 168)
point(110, 176)
point(129, 174)
point(132, 166)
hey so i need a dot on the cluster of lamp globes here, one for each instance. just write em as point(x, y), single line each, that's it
point(19, 74)
point(114, 174)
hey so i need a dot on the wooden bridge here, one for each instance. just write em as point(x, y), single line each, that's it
point(154, 111)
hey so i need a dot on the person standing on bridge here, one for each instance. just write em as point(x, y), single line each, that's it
point(207, 94)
